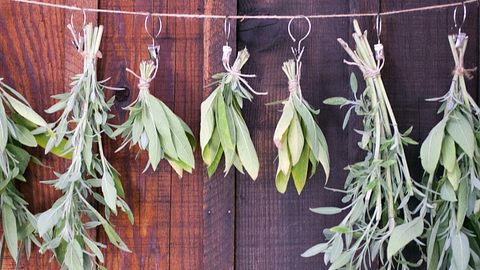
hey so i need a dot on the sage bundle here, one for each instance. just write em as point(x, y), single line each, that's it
point(15, 133)
point(223, 131)
point(377, 190)
point(300, 141)
point(66, 226)
point(153, 126)
point(450, 156)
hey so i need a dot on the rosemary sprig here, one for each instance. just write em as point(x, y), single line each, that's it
point(299, 139)
point(222, 129)
point(153, 126)
point(65, 228)
point(17, 221)
point(451, 158)
point(379, 223)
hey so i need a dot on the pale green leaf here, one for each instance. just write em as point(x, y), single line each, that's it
point(300, 170)
point(431, 148)
point(207, 123)
point(317, 249)
point(281, 181)
point(73, 256)
point(461, 131)
point(404, 234)
point(283, 123)
point(223, 125)
point(109, 191)
point(10, 230)
point(448, 153)
point(460, 250)
point(26, 111)
point(245, 148)
point(326, 210)
point(295, 140)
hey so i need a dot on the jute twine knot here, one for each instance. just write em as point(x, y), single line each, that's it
point(371, 73)
point(293, 85)
point(144, 84)
point(466, 72)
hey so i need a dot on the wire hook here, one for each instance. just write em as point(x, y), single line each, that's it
point(298, 52)
point(457, 25)
point(153, 49)
point(227, 29)
point(378, 26)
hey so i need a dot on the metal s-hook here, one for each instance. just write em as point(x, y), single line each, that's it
point(153, 50)
point(460, 37)
point(379, 52)
point(298, 52)
point(227, 29)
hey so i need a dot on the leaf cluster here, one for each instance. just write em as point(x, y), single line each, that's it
point(66, 226)
point(223, 131)
point(154, 127)
point(450, 156)
point(300, 141)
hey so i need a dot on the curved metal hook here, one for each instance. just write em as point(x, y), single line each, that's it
point(84, 19)
point(159, 30)
point(378, 26)
point(299, 51)
point(153, 50)
point(463, 19)
point(227, 29)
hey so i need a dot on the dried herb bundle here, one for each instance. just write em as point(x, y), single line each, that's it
point(451, 157)
point(15, 132)
point(153, 126)
point(222, 129)
point(377, 190)
point(299, 139)
point(65, 227)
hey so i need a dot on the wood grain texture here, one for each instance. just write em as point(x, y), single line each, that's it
point(219, 191)
point(272, 230)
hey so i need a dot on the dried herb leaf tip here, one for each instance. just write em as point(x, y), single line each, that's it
point(154, 127)
point(15, 132)
point(223, 132)
point(66, 226)
point(378, 223)
point(451, 158)
point(300, 141)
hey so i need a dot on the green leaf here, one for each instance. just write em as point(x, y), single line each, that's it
point(284, 163)
point(180, 139)
point(336, 101)
point(326, 210)
point(309, 124)
point(3, 128)
point(323, 155)
point(461, 131)
point(207, 123)
point(213, 166)
point(449, 157)
point(26, 111)
point(317, 249)
point(447, 193)
point(300, 170)
point(94, 248)
point(153, 140)
point(109, 191)
point(48, 219)
point(295, 140)
point(10, 230)
point(245, 148)
point(431, 148)
point(463, 191)
point(25, 137)
point(223, 125)
point(460, 251)
point(283, 123)
point(159, 117)
point(74, 256)
point(404, 234)
point(342, 260)
point(281, 181)
point(353, 83)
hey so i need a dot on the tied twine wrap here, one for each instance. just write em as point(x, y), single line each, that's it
point(294, 83)
point(145, 80)
point(460, 70)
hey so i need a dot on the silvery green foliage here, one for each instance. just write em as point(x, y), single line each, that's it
point(154, 127)
point(223, 131)
point(66, 227)
point(378, 223)
point(300, 141)
point(17, 130)
point(451, 158)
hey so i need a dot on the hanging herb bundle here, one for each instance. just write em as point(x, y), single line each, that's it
point(299, 139)
point(15, 132)
point(223, 130)
point(378, 224)
point(450, 156)
point(65, 227)
point(153, 126)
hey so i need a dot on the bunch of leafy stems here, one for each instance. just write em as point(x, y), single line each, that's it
point(385, 116)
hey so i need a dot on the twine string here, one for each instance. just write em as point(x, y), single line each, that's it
point(242, 17)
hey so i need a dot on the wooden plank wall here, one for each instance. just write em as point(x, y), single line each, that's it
point(228, 222)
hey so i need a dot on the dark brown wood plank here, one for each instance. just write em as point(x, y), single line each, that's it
point(272, 230)
point(148, 194)
point(186, 228)
point(218, 191)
